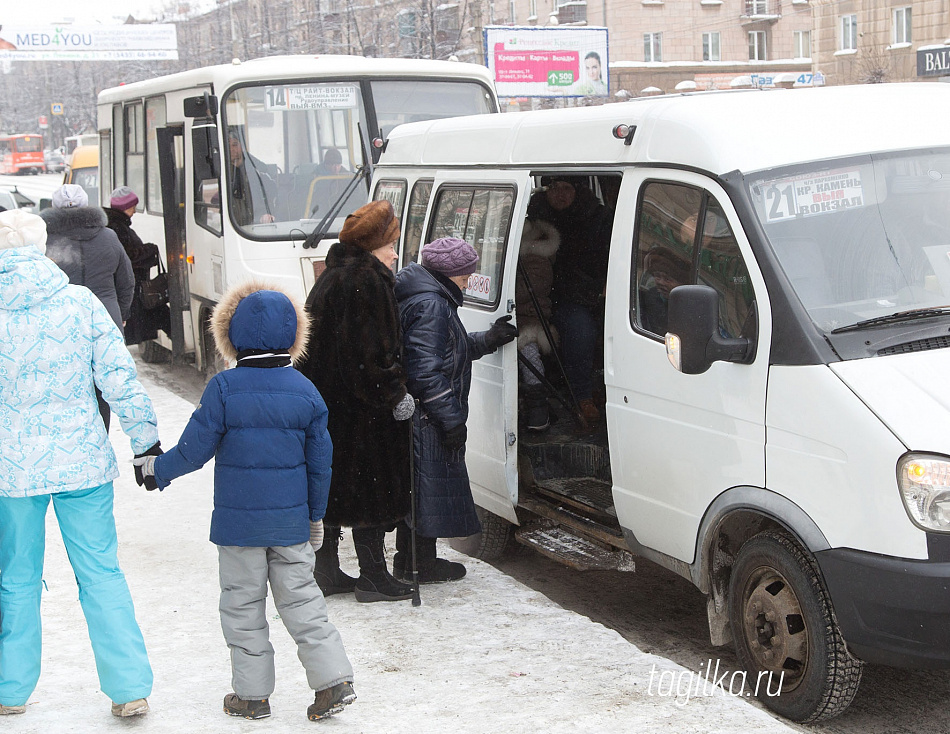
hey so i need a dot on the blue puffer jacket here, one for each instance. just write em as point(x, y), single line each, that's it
point(438, 356)
point(265, 427)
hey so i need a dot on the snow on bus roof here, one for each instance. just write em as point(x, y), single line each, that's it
point(718, 132)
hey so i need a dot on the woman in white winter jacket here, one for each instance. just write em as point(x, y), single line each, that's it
point(57, 343)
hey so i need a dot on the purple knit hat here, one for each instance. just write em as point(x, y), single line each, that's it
point(450, 256)
point(123, 198)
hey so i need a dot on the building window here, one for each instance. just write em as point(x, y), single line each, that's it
point(802, 40)
point(533, 9)
point(756, 7)
point(711, 47)
point(512, 13)
point(653, 47)
point(902, 26)
point(849, 32)
point(757, 46)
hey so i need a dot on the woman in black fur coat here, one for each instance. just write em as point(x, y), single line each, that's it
point(355, 361)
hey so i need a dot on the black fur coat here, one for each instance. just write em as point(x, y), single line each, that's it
point(355, 360)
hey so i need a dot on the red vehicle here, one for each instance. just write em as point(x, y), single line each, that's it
point(22, 154)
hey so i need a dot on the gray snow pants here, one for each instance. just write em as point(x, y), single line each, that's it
point(244, 573)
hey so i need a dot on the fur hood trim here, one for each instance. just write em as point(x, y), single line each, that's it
point(539, 238)
point(224, 312)
point(67, 221)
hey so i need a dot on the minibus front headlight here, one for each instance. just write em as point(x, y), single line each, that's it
point(924, 483)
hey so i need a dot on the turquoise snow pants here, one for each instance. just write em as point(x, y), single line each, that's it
point(88, 529)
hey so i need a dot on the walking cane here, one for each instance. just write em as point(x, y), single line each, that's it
point(416, 599)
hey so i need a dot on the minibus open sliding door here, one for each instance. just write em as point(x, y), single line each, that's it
point(488, 210)
point(171, 165)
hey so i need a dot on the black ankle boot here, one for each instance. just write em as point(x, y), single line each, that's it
point(375, 582)
point(432, 570)
point(326, 570)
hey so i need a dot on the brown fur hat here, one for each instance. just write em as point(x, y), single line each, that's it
point(370, 227)
point(224, 312)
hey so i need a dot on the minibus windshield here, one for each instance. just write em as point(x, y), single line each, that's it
point(864, 242)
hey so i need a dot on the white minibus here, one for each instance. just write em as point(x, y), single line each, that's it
point(777, 421)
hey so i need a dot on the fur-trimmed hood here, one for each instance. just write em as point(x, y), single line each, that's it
point(257, 315)
point(78, 223)
point(539, 239)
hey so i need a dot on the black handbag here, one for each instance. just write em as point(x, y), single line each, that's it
point(155, 291)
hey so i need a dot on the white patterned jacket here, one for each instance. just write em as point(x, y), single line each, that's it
point(57, 342)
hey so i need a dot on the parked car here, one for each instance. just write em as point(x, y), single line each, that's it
point(10, 198)
point(55, 161)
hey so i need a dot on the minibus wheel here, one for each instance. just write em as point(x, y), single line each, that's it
point(153, 353)
point(212, 362)
point(491, 543)
point(786, 637)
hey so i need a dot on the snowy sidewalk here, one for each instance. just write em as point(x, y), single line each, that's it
point(485, 654)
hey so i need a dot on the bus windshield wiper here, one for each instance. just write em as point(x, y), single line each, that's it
point(320, 231)
point(909, 315)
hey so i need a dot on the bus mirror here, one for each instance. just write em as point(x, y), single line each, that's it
point(204, 140)
point(204, 106)
point(45, 204)
point(693, 321)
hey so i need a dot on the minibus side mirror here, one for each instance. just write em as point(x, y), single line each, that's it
point(45, 204)
point(204, 139)
point(693, 341)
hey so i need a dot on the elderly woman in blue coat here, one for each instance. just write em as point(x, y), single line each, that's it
point(59, 344)
point(438, 357)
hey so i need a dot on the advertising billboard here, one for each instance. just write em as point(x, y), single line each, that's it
point(146, 41)
point(527, 61)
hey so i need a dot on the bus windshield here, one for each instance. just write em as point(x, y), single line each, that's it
point(28, 144)
point(862, 240)
point(293, 149)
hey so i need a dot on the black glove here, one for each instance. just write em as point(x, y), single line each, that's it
point(500, 333)
point(454, 438)
point(144, 470)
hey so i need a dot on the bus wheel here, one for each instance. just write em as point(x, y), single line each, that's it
point(153, 353)
point(213, 362)
point(491, 543)
point(786, 637)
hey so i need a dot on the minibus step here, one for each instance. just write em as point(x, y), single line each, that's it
point(585, 493)
point(564, 547)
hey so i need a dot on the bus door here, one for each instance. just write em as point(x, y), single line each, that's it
point(487, 210)
point(171, 161)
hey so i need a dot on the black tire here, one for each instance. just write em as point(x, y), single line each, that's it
point(773, 579)
point(153, 353)
point(213, 362)
point(490, 544)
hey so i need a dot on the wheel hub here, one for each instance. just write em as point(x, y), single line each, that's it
point(774, 627)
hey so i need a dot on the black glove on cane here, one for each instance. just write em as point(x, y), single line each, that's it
point(141, 478)
point(455, 437)
point(500, 333)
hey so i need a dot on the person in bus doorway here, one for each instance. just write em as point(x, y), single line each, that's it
point(539, 244)
point(141, 324)
point(439, 356)
point(265, 425)
point(580, 277)
point(91, 255)
point(60, 341)
point(356, 363)
point(252, 189)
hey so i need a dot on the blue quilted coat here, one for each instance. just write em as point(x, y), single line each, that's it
point(56, 342)
point(438, 357)
point(266, 428)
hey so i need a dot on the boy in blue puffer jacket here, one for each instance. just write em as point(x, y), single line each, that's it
point(265, 424)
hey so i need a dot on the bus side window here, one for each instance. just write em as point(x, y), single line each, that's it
point(415, 218)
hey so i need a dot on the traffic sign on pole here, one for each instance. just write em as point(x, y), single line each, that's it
point(43, 122)
point(56, 108)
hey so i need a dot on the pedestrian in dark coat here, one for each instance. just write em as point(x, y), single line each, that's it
point(439, 356)
point(356, 363)
point(142, 324)
point(91, 255)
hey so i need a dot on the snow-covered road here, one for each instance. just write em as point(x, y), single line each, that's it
point(485, 654)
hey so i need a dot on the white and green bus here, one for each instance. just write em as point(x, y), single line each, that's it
point(248, 170)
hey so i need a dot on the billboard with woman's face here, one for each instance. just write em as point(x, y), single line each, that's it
point(548, 62)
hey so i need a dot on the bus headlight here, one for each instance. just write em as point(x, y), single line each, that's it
point(924, 483)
